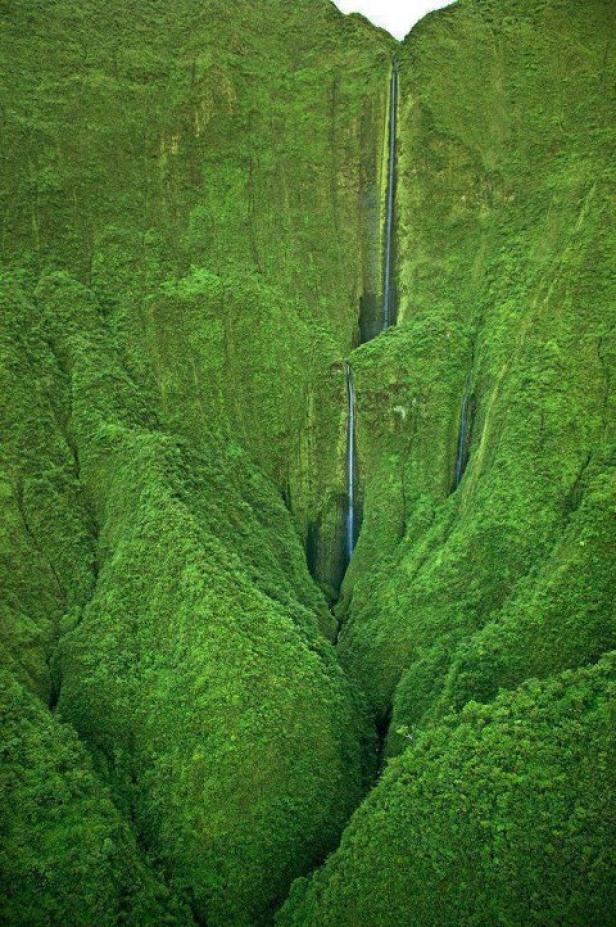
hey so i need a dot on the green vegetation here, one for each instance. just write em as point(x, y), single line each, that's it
point(183, 258)
point(506, 243)
point(192, 210)
point(67, 856)
point(500, 815)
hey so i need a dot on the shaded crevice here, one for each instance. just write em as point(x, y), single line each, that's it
point(370, 317)
point(318, 540)
point(465, 433)
point(382, 726)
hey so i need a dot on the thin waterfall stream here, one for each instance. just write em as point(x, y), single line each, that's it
point(388, 310)
point(350, 519)
point(388, 294)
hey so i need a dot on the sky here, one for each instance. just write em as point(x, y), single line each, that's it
point(395, 15)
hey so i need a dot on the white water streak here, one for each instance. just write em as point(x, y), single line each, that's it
point(391, 184)
point(350, 519)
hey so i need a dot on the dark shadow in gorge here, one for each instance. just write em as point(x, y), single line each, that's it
point(465, 433)
point(382, 726)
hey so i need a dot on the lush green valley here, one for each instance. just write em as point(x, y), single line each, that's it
point(206, 718)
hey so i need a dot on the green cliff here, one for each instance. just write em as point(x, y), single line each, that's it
point(506, 246)
point(198, 705)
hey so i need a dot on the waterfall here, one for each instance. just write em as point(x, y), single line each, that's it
point(461, 455)
point(350, 454)
point(388, 311)
point(388, 295)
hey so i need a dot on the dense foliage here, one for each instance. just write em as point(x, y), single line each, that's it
point(67, 856)
point(182, 259)
point(501, 815)
point(192, 200)
point(506, 246)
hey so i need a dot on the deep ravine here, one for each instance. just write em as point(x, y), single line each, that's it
point(352, 524)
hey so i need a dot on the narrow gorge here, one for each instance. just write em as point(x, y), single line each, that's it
point(308, 465)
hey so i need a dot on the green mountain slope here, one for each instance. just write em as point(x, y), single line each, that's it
point(186, 238)
point(499, 814)
point(192, 200)
point(68, 856)
point(502, 815)
point(506, 248)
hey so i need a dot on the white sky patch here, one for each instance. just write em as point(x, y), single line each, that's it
point(397, 16)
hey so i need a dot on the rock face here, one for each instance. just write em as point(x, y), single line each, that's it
point(193, 206)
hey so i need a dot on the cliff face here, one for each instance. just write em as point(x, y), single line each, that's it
point(506, 240)
point(506, 279)
point(214, 177)
point(190, 220)
point(192, 206)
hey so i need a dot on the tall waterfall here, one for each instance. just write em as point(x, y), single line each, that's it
point(350, 515)
point(388, 309)
point(388, 287)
